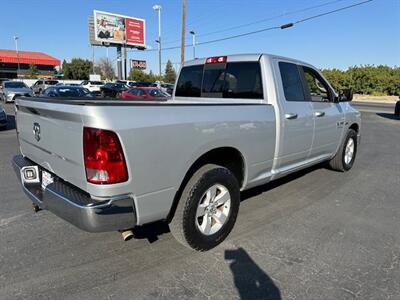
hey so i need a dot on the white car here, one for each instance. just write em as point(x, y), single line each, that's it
point(93, 86)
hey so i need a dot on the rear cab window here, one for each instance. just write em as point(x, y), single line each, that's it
point(240, 80)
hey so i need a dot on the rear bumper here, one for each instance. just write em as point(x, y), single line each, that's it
point(76, 206)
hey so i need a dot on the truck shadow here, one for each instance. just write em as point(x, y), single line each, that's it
point(152, 231)
point(388, 116)
point(10, 123)
point(278, 182)
point(250, 280)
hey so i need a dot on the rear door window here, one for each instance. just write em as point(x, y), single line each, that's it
point(291, 81)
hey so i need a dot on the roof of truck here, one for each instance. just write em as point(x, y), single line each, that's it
point(243, 57)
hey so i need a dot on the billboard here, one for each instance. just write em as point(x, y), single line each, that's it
point(111, 28)
point(138, 64)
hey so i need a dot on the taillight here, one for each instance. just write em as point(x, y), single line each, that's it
point(216, 60)
point(103, 156)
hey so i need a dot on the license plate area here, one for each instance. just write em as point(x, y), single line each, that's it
point(32, 175)
point(47, 179)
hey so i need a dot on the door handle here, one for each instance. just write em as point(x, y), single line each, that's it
point(291, 116)
point(319, 114)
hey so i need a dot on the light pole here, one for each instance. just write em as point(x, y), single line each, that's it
point(16, 49)
point(193, 43)
point(157, 7)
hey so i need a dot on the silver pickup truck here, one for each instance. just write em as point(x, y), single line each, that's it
point(234, 122)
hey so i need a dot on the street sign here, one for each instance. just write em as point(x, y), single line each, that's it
point(138, 64)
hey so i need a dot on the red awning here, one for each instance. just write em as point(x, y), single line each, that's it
point(27, 57)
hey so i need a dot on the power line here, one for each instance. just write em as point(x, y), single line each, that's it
point(265, 19)
point(284, 26)
point(332, 11)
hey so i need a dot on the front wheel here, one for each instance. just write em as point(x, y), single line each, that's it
point(344, 158)
point(207, 209)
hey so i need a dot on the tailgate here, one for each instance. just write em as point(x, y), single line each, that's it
point(50, 134)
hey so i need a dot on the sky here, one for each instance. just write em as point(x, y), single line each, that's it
point(366, 34)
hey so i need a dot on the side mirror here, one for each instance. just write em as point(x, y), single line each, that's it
point(346, 95)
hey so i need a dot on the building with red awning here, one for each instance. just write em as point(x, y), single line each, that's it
point(15, 64)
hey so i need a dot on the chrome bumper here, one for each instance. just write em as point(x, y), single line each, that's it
point(75, 206)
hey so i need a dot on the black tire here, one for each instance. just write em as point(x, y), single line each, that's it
point(338, 162)
point(183, 225)
point(397, 109)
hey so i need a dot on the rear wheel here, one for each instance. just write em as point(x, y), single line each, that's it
point(208, 208)
point(397, 109)
point(344, 158)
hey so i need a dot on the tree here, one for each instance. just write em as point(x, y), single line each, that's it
point(105, 67)
point(140, 75)
point(366, 80)
point(33, 71)
point(170, 74)
point(78, 69)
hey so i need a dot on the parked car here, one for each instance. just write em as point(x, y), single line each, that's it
point(112, 89)
point(235, 122)
point(145, 93)
point(142, 84)
point(128, 83)
point(2, 80)
point(39, 86)
point(67, 91)
point(12, 89)
point(70, 84)
point(165, 87)
point(93, 86)
point(3, 118)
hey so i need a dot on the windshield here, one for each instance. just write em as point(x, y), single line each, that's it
point(73, 92)
point(51, 82)
point(14, 85)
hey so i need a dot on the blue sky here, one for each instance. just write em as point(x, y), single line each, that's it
point(367, 34)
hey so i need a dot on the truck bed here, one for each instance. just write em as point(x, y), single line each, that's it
point(160, 140)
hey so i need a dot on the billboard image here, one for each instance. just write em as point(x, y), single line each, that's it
point(116, 29)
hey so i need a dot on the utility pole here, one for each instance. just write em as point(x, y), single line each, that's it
point(183, 31)
point(193, 43)
point(119, 62)
point(125, 66)
point(93, 60)
point(16, 50)
point(157, 7)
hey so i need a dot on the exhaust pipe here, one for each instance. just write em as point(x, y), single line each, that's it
point(127, 234)
point(36, 208)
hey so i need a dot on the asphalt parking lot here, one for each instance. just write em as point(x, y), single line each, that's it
point(318, 234)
